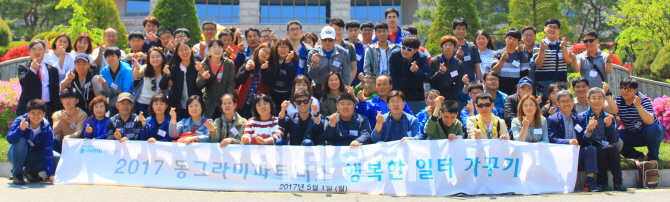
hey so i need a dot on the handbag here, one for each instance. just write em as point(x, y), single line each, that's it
point(183, 136)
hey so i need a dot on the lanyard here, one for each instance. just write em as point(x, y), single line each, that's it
point(452, 59)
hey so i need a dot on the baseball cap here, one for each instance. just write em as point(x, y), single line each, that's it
point(328, 32)
point(525, 81)
point(124, 96)
point(83, 56)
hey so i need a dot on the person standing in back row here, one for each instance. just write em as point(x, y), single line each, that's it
point(466, 51)
point(328, 58)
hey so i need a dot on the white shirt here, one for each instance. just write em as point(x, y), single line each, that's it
point(146, 94)
point(184, 94)
point(68, 64)
point(35, 131)
point(45, 81)
point(487, 58)
point(293, 109)
point(383, 61)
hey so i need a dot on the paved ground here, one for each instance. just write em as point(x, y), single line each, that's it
point(47, 192)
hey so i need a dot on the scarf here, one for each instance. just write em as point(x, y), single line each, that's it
point(494, 127)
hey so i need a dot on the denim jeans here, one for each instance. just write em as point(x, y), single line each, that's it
point(651, 136)
point(305, 142)
point(20, 157)
point(588, 159)
point(141, 108)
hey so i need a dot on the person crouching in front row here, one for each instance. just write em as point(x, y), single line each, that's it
point(396, 124)
point(486, 125)
point(302, 127)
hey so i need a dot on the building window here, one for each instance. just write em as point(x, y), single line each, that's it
point(219, 11)
point(138, 8)
point(372, 10)
point(305, 11)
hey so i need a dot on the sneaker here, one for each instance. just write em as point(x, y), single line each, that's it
point(18, 179)
point(590, 185)
point(620, 187)
point(35, 177)
point(605, 187)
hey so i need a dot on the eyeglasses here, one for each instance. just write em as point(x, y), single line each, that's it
point(589, 40)
point(327, 40)
point(482, 105)
point(528, 35)
point(553, 27)
point(294, 30)
point(408, 49)
point(265, 37)
point(564, 101)
point(626, 89)
point(302, 102)
point(397, 102)
point(283, 47)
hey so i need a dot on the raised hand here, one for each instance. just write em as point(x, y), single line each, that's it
point(414, 68)
point(171, 46)
point(470, 106)
point(610, 57)
point(203, 46)
point(452, 137)
point(285, 105)
point(333, 120)
point(350, 90)
point(608, 120)
point(592, 124)
point(265, 65)
point(355, 144)
point(198, 67)
point(361, 77)
point(117, 134)
point(315, 60)
point(210, 125)
point(443, 69)
point(24, 124)
point(551, 109)
point(60, 51)
point(564, 43)
point(151, 140)
point(89, 129)
point(521, 48)
point(526, 123)
point(240, 46)
point(637, 102)
point(543, 46)
point(606, 87)
point(229, 51)
point(206, 75)
point(245, 140)
point(142, 119)
point(70, 75)
point(379, 118)
point(361, 96)
point(290, 56)
point(224, 143)
point(460, 53)
point(315, 110)
point(35, 65)
point(166, 70)
point(250, 65)
point(505, 56)
point(504, 137)
point(173, 113)
point(574, 142)
point(465, 79)
point(152, 37)
point(477, 133)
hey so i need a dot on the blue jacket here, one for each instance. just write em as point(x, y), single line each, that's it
point(399, 35)
point(241, 57)
point(369, 109)
point(410, 128)
point(610, 132)
point(43, 141)
point(422, 117)
point(99, 128)
point(124, 81)
point(186, 125)
point(360, 60)
point(291, 125)
point(152, 128)
point(358, 129)
point(556, 129)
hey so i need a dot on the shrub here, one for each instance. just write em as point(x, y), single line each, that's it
point(13, 44)
point(446, 12)
point(46, 35)
point(662, 111)
point(5, 33)
point(661, 65)
point(10, 91)
point(182, 16)
point(103, 14)
point(14, 53)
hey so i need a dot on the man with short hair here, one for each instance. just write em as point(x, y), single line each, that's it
point(38, 80)
point(524, 87)
point(491, 84)
point(642, 127)
point(302, 127)
point(369, 89)
point(209, 31)
point(125, 125)
point(396, 124)
point(353, 30)
point(367, 32)
point(369, 108)
point(136, 41)
point(338, 25)
point(474, 89)
point(167, 41)
point(395, 34)
point(593, 64)
point(601, 133)
point(566, 127)
point(377, 55)
point(68, 122)
point(411, 29)
point(252, 35)
point(528, 36)
point(551, 57)
point(327, 58)
point(110, 36)
point(444, 123)
point(409, 69)
point(268, 36)
point(151, 24)
point(510, 63)
point(486, 125)
point(425, 113)
point(30, 141)
point(294, 32)
point(346, 127)
point(466, 52)
point(580, 86)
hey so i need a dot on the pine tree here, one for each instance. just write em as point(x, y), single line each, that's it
point(535, 13)
point(445, 13)
point(5, 33)
point(103, 14)
point(177, 14)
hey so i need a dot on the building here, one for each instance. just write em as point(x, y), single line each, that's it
point(276, 13)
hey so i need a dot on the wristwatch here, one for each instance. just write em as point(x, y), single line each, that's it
point(609, 61)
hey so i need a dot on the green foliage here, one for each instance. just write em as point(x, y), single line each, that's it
point(35, 16)
point(5, 33)
point(661, 65)
point(644, 60)
point(177, 14)
point(46, 35)
point(445, 13)
point(535, 13)
point(13, 44)
point(645, 22)
point(583, 15)
point(78, 23)
point(103, 14)
point(4, 147)
point(494, 15)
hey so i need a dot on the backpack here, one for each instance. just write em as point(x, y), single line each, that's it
point(648, 175)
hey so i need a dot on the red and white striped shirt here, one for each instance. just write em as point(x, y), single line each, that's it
point(265, 129)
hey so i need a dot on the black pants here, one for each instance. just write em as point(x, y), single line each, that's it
point(508, 85)
point(245, 112)
point(608, 158)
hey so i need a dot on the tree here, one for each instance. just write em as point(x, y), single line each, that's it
point(5, 33)
point(78, 23)
point(36, 15)
point(583, 15)
point(535, 13)
point(177, 14)
point(445, 13)
point(494, 15)
point(103, 14)
point(661, 65)
point(642, 22)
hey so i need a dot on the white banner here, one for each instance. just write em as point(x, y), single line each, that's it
point(425, 167)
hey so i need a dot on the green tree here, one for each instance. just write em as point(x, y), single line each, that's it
point(445, 13)
point(103, 14)
point(643, 24)
point(583, 15)
point(661, 65)
point(177, 14)
point(37, 15)
point(535, 13)
point(494, 15)
point(644, 59)
point(5, 33)
point(78, 23)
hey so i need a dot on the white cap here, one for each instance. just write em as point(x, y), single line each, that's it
point(328, 32)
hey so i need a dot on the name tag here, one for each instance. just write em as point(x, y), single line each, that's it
point(161, 133)
point(301, 63)
point(87, 85)
point(454, 73)
point(593, 73)
point(638, 124)
point(73, 126)
point(114, 86)
point(353, 133)
point(459, 137)
point(578, 128)
point(219, 75)
point(282, 71)
point(516, 63)
point(234, 131)
point(130, 135)
point(466, 58)
point(537, 131)
point(358, 57)
point(336, 63)
point(605, 143)
point(560, 54)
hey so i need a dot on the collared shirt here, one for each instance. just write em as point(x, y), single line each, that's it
point(44, 71)
point(569, 127)
point(383, 61)
point(513, 66)
point(581, 107)
point(599, 132)
point(629, 115)
point(470, 58)
point(554, 66)
point(587, 70)
point(397, 132)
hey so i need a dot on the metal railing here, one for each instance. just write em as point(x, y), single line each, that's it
point(10, 68)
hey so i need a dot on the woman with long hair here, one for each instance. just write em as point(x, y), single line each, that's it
point(530, 125)
point(335, 86)
point(253, 79)
point(183, 74)
point(151, 73)
point(59, 56)
point(486, 49)
point(285, 60)
point(301, 82)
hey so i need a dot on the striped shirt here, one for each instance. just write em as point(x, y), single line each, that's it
point(256, 127)
point(513, 66)
point(630, 117)
point(553, 59)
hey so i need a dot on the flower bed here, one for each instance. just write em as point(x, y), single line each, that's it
point(662, 111)
point(10, 91)
point(20, 51)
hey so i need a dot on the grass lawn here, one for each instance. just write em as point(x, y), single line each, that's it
point(4, 146)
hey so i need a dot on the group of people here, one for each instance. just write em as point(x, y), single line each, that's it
point(327, 90)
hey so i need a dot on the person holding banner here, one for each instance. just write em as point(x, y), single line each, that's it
point(228, 127)
point(444, 123)
point(486, 121)
point(30, 137)
point(124, 125)
point(530, 126)
point(396, 124)
point(565, 127)
point(474, 88)
point(601, 129)
point(346, 127)
point(96, 125)
point(195, 127)
point(301, 128)
point(263, 125)
point(157, 125)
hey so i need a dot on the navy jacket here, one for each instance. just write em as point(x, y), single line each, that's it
point(152, 128)
point(31, 88)
point(291, 125)
point(411, 128)
point(556, 129)
point(357, 129)
point(43, 141)
point(610, 132)
point(408, 82)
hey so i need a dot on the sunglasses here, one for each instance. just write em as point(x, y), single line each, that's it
point(153, 85)
point(408, 49)
point(302, 102)
point(589, 40)
point(626, 89)
point(482, 105)
point(327, 40)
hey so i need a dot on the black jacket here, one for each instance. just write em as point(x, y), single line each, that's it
point(177, 78)
point(31, 86)
point(448, 85)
